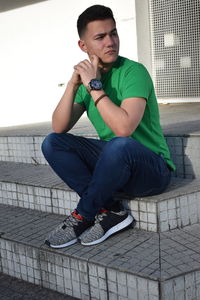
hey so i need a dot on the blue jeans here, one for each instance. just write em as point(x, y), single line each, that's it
point(98, 169)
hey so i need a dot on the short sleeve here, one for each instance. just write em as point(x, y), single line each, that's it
point(137, 82)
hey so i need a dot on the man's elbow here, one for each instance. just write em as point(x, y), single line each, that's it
point(58, 129)
point(123, 132)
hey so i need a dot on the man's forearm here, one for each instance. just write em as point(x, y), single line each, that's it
point(62, 115)
point(124, 119)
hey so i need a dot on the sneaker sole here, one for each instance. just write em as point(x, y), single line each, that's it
point(111, 231)
point(62, 245)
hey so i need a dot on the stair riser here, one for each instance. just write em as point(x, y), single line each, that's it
point(184, 152)
point(182, 287)
point(151, 216)
point(26, 149)
point(84, 280)
point(44, 199)
point(22, 149)
point(186, 155)
point(71, 276)
point(166, 215)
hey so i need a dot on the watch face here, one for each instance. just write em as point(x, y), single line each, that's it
point(96, 84)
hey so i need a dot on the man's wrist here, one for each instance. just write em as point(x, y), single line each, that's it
point(94, 85)
point(73, 86)
point(96, 94)
point(99, 99)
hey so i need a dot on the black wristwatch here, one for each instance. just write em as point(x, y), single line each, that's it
point(95, 84)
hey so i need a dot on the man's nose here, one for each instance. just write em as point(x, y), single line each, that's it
point(109, 41)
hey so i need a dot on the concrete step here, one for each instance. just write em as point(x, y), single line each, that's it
point(23, 143)
point(37, 187)
point(27, 149)
point(134, 264)
point(185, 154)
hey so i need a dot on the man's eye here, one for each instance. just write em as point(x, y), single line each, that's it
point(99, 37)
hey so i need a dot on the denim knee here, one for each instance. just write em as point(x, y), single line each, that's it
point(48, 143)
point(115, 149)
point(119, 144)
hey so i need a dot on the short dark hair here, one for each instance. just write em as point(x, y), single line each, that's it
point(93, 13)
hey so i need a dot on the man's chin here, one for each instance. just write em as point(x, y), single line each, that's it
point(109, 61)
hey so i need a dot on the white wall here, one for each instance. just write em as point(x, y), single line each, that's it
point(38, 48)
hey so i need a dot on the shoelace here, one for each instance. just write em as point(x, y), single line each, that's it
point(99, 217)
point(103, 212)
point(70, 221)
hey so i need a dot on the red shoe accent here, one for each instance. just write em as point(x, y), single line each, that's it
point(77, 216)
point(103, 210)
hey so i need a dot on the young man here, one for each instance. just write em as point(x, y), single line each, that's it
point(131, 155)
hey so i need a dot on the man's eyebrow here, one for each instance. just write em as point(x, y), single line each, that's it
point(114, 29)
point(104, 33)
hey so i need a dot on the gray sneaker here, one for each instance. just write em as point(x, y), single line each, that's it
point(106, 224)
point(67, 233)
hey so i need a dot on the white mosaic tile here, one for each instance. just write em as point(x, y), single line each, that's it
point(65, 275)
point(17, 262)
point(182, 287)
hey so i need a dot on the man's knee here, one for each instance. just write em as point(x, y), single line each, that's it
point(49, 142)
point(120, 143)
point(58, 141)
point(115, 149)
point(124, 148)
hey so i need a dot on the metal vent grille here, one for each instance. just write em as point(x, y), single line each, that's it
point(175, 29)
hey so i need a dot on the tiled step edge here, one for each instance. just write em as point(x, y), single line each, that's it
point(97, 272)
point(177, 207)
point(142, 266)
point(83, 280)
point(73, 276)
point(37, 187)
point(27, 149)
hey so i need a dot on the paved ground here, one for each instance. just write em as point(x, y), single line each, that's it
point(16, 289)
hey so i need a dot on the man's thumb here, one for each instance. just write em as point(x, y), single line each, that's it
point(95, 60)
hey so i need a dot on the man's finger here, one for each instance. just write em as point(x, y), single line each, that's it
point(95, 60)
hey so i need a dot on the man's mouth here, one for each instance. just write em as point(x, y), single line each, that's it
point(110, 52)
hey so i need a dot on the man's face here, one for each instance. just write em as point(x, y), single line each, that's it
point(101, 38)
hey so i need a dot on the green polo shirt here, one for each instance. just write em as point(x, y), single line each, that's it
point(129, 79)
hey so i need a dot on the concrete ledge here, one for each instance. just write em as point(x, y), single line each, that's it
point(37, 187)
point(83, 272)
point(185, 155)
point(133, 264)
point(27, 149)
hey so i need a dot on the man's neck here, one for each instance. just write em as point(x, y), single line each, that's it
point(104, 68)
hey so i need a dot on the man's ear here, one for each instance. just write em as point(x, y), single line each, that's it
point(82, 46)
